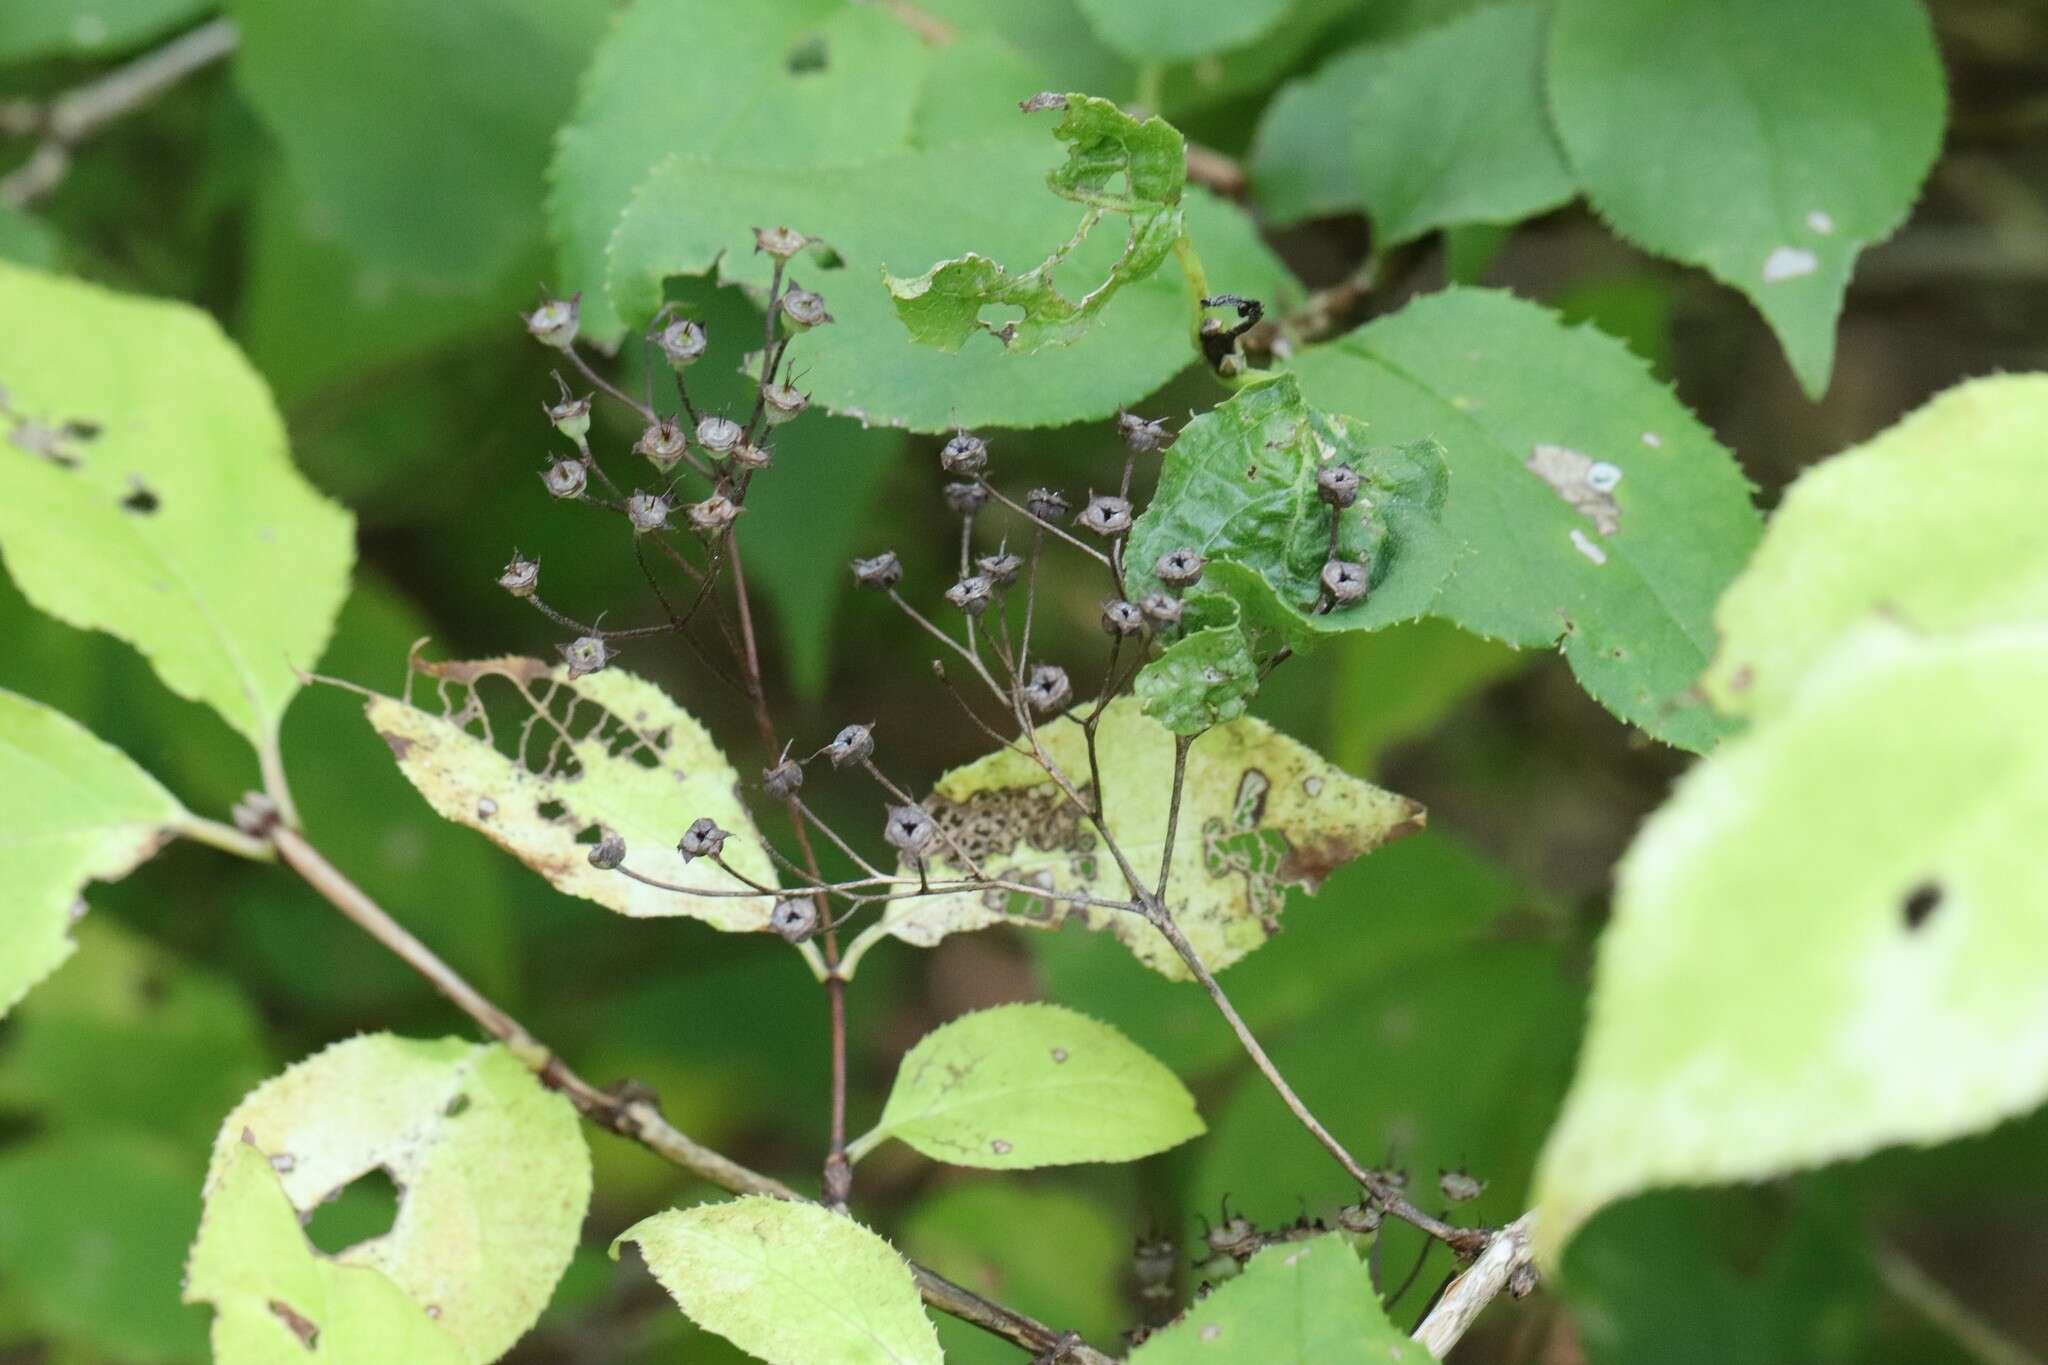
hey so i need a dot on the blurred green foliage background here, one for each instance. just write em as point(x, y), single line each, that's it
point(358, 198)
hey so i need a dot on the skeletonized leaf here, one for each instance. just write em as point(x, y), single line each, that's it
point(1593, 505)
point(1935, 522)
point(492, 1167)
point(604, 751)
point(73, 809)
point(1830, 939)
point(1260, 813)
point(1299, 1303)
point(278, 1302)
point(1019, 1086)
point(793, 1284)
point(1737, 135)
point(149, 495)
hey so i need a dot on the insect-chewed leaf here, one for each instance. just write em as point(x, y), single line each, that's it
point(1300, 1303)
point(793, 1284)
point(1260, 813)
point(1830, 939)
point(494, 1174)
point(1019, 1086)
point(1935, 522)
point(74, 809)
point(603, 751)
point(278, 1302)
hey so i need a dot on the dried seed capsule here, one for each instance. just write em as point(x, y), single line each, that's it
point(781, 402)
point(972, 594)
point(804, 309)
point(609, 851)
point(1140, 435)
point(883, 572)
point(521, 576)
point(554, 323)
point(703, 839)
point(1178, 568)
point(747, 455)
point(1345, 581)
point(565, 478)
point(648, 512)
point(662, 443)
point(586, 654)
point(682, 342)
point(1337, 484)
point(1522, 1281)
point(966, 498)
point(965, 454)
point(1107, 515)
point(571, 416)
point(1047, 689)
point(1460, 1187)
point(784, 780)
point(1234, 1236)
point(1121, 618)
point(910, 828)
point(1000, 568)
point(780, 242)
point(711, 516)
point(1160, 609)
point(796, 918)
point(1047, 504)
point(719, 434)
point(854, 744)
point(1362, 1218)
point(1154, 1261)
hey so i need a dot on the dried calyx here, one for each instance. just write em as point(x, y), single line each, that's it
point(719, 434)
point(1121, 618)
point(586, 654)
point(554, 323)
point(972, 594)
point(713, 515)
point(571, 415)
point(966, 498)
point(784, 780)
point(1047, 504)
point(1337, 485)
point(881, 572)
point(648, 512)
point(781, 402)
point(910, 828)
point(966, 454)
point(565, 478)
point(1344, 581)
point(803, 309)
point(1106, 514)
point(662, 442)
point(703, 839)
point(1161, 609)
point(780, 242)
point(1143, 436)
point(682, 342)
point(1047, 689)
point(795, 918)
point(1178, 568)
point(853, 744)
point(609, 851)
point(1000, 568)
point(521, 576)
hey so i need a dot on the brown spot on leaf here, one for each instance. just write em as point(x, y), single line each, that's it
point(1059, 1054)
point(301, 1326)
point(399, 745)
point(1920, 904)
point(1577, 478)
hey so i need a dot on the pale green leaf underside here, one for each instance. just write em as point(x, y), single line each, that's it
point(1528, 410)
point(1299, 1303)
point(1260, 813)
point(493, 1168)
point(181, 527)
point(1449, 128)
point(1830, 940)
point(1177, 30)
point(1019, 1086)
point(73, 809)
point(278, 1302)
point(792, 1284)
point(611, 751)
point(1767, 142)
point(1935, 523)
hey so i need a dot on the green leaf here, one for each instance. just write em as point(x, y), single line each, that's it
point(1534, 416)
point(26, 240)
point(1794, 155)
point(180, 525)
point(74, 809)
point(88, 28)
point(793, 1284)
point(776, 86)
point(492, 1168)
point(1829, 940)
point(1404, 682)
point(1164, 31)
point(1299, 1303)
point(1449, 128)
point(1115, 165)
point(618, 755)
point(1239, 486)
point(1934, 522)
point(1259, 813)
point(1201, 680)
point(434, 178)
point(1020, 1086)
point(278, 1302)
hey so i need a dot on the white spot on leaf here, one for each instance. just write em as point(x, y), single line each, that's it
point(1603, 477)
point(1652, 440)
point(1789, 263)
point(1820, 222)
point(1583, 543)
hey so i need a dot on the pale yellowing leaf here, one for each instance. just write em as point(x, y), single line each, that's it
point(1260, 813)
point(1033, 1085)
point(604, 751)
point(278, 1302)
point(1831, 939)
point(793, 1284)
point(73, 809)
point(1935, 523)
point(494, 1174)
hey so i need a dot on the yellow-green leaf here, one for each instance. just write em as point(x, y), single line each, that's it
point(574, 755)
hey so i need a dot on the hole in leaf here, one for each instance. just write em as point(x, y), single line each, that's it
point(1920, 903)
point(551, 810)
point(360, 1211)
point(82, 429)
point(142, 500)
point(589, 834)
point(807, 55)
point(456, 1107)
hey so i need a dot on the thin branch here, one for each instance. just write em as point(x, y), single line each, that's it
point(1460, 1303)
point(1932, 1300)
